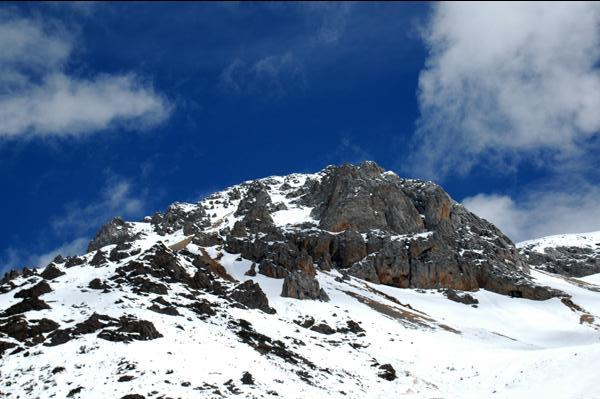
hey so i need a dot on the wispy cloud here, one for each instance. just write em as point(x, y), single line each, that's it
point(39, 97)
point(329, 20)
point(117, 198)
point(273, 75)
point(542, 211)
point(77, 224)
point(508, 81)
point(281, 70)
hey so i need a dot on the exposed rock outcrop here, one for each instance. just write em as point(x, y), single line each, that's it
point(116, 231)
point(252, 296)
point(301, 286)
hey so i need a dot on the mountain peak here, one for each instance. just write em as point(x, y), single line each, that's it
point(261, 289)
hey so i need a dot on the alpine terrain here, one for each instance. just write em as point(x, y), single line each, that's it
point(348, 283)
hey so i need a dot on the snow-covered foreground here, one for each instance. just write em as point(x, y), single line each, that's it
point(502, 347)
point(505, 347)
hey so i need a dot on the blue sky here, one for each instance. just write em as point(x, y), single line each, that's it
point(121, 109)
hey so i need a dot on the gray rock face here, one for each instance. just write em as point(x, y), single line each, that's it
point(566, 260)
point(384, 229)
point(362, 199)
point(177, 217)
point(116, 231)
point(369, 223)
point(250, 294)
point(300, 286)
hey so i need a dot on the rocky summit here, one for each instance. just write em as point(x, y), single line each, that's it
point(351, 282)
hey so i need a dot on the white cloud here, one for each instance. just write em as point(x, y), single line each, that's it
point(76, 247)
point(540, 212)
point(12, 258)
point(39, 97)
point(273, 75)
point(329, 19)
point(116, 198)
point(503, 81)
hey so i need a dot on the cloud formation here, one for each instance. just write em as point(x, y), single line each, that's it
point(78, 222)
point(540, 212)
point(503, 81)
point(38, 96)
point(116, 198)
point(273, 75)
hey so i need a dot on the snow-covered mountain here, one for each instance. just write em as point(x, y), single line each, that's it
point(575, 255)
point(349, 283)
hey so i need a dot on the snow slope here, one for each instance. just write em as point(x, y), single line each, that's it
point(502, 347)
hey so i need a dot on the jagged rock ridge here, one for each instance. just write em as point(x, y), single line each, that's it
point(575, 255)
point(291, 286)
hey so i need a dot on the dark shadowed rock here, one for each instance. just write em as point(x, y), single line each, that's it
point(74, 261)
point(51, 272)
point(37, 290)
point(387, 372)
point(97, 284)
point(300, 286)
point(10, 275)
point(21, 329)
point(570, 261)
point(179, 216)
point(362, 198)
point(323, 328)
point(98, 259)
point(252, 296)
point(4, 346)
point(465, 298)
point(131, 329)
point(26, 305)
point(247, 378)
point(114, 232)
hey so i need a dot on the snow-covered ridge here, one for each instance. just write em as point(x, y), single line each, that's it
point(582, 240)
point(189, 304)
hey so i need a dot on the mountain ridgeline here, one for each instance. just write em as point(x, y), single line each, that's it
point(347, 283)
point(358, 219)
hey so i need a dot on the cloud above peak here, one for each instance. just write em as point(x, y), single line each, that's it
point(39, 97)
point(506, 80)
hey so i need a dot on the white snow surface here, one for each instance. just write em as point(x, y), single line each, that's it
point(502, 348)
point(584, 240)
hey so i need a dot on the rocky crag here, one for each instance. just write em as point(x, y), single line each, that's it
point(338, 242)
point(573, 255)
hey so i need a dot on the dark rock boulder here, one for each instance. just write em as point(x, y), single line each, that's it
point(4, 346)
point(51, 272)
point(10, 275)
point(97, 284)
point(252, 296)
point(21, 329)
point(301, 286)
point(465, 298)
point(131, 329)
point(98, 259)
point(37, 290)
point(74, 261)
point(202, 308)
point(180, 216)
point(114, 232)
point(92, 324)
point(247, 378)
point(323, 328)
point(26, 305)
point(387, 372)
point(572, 261)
